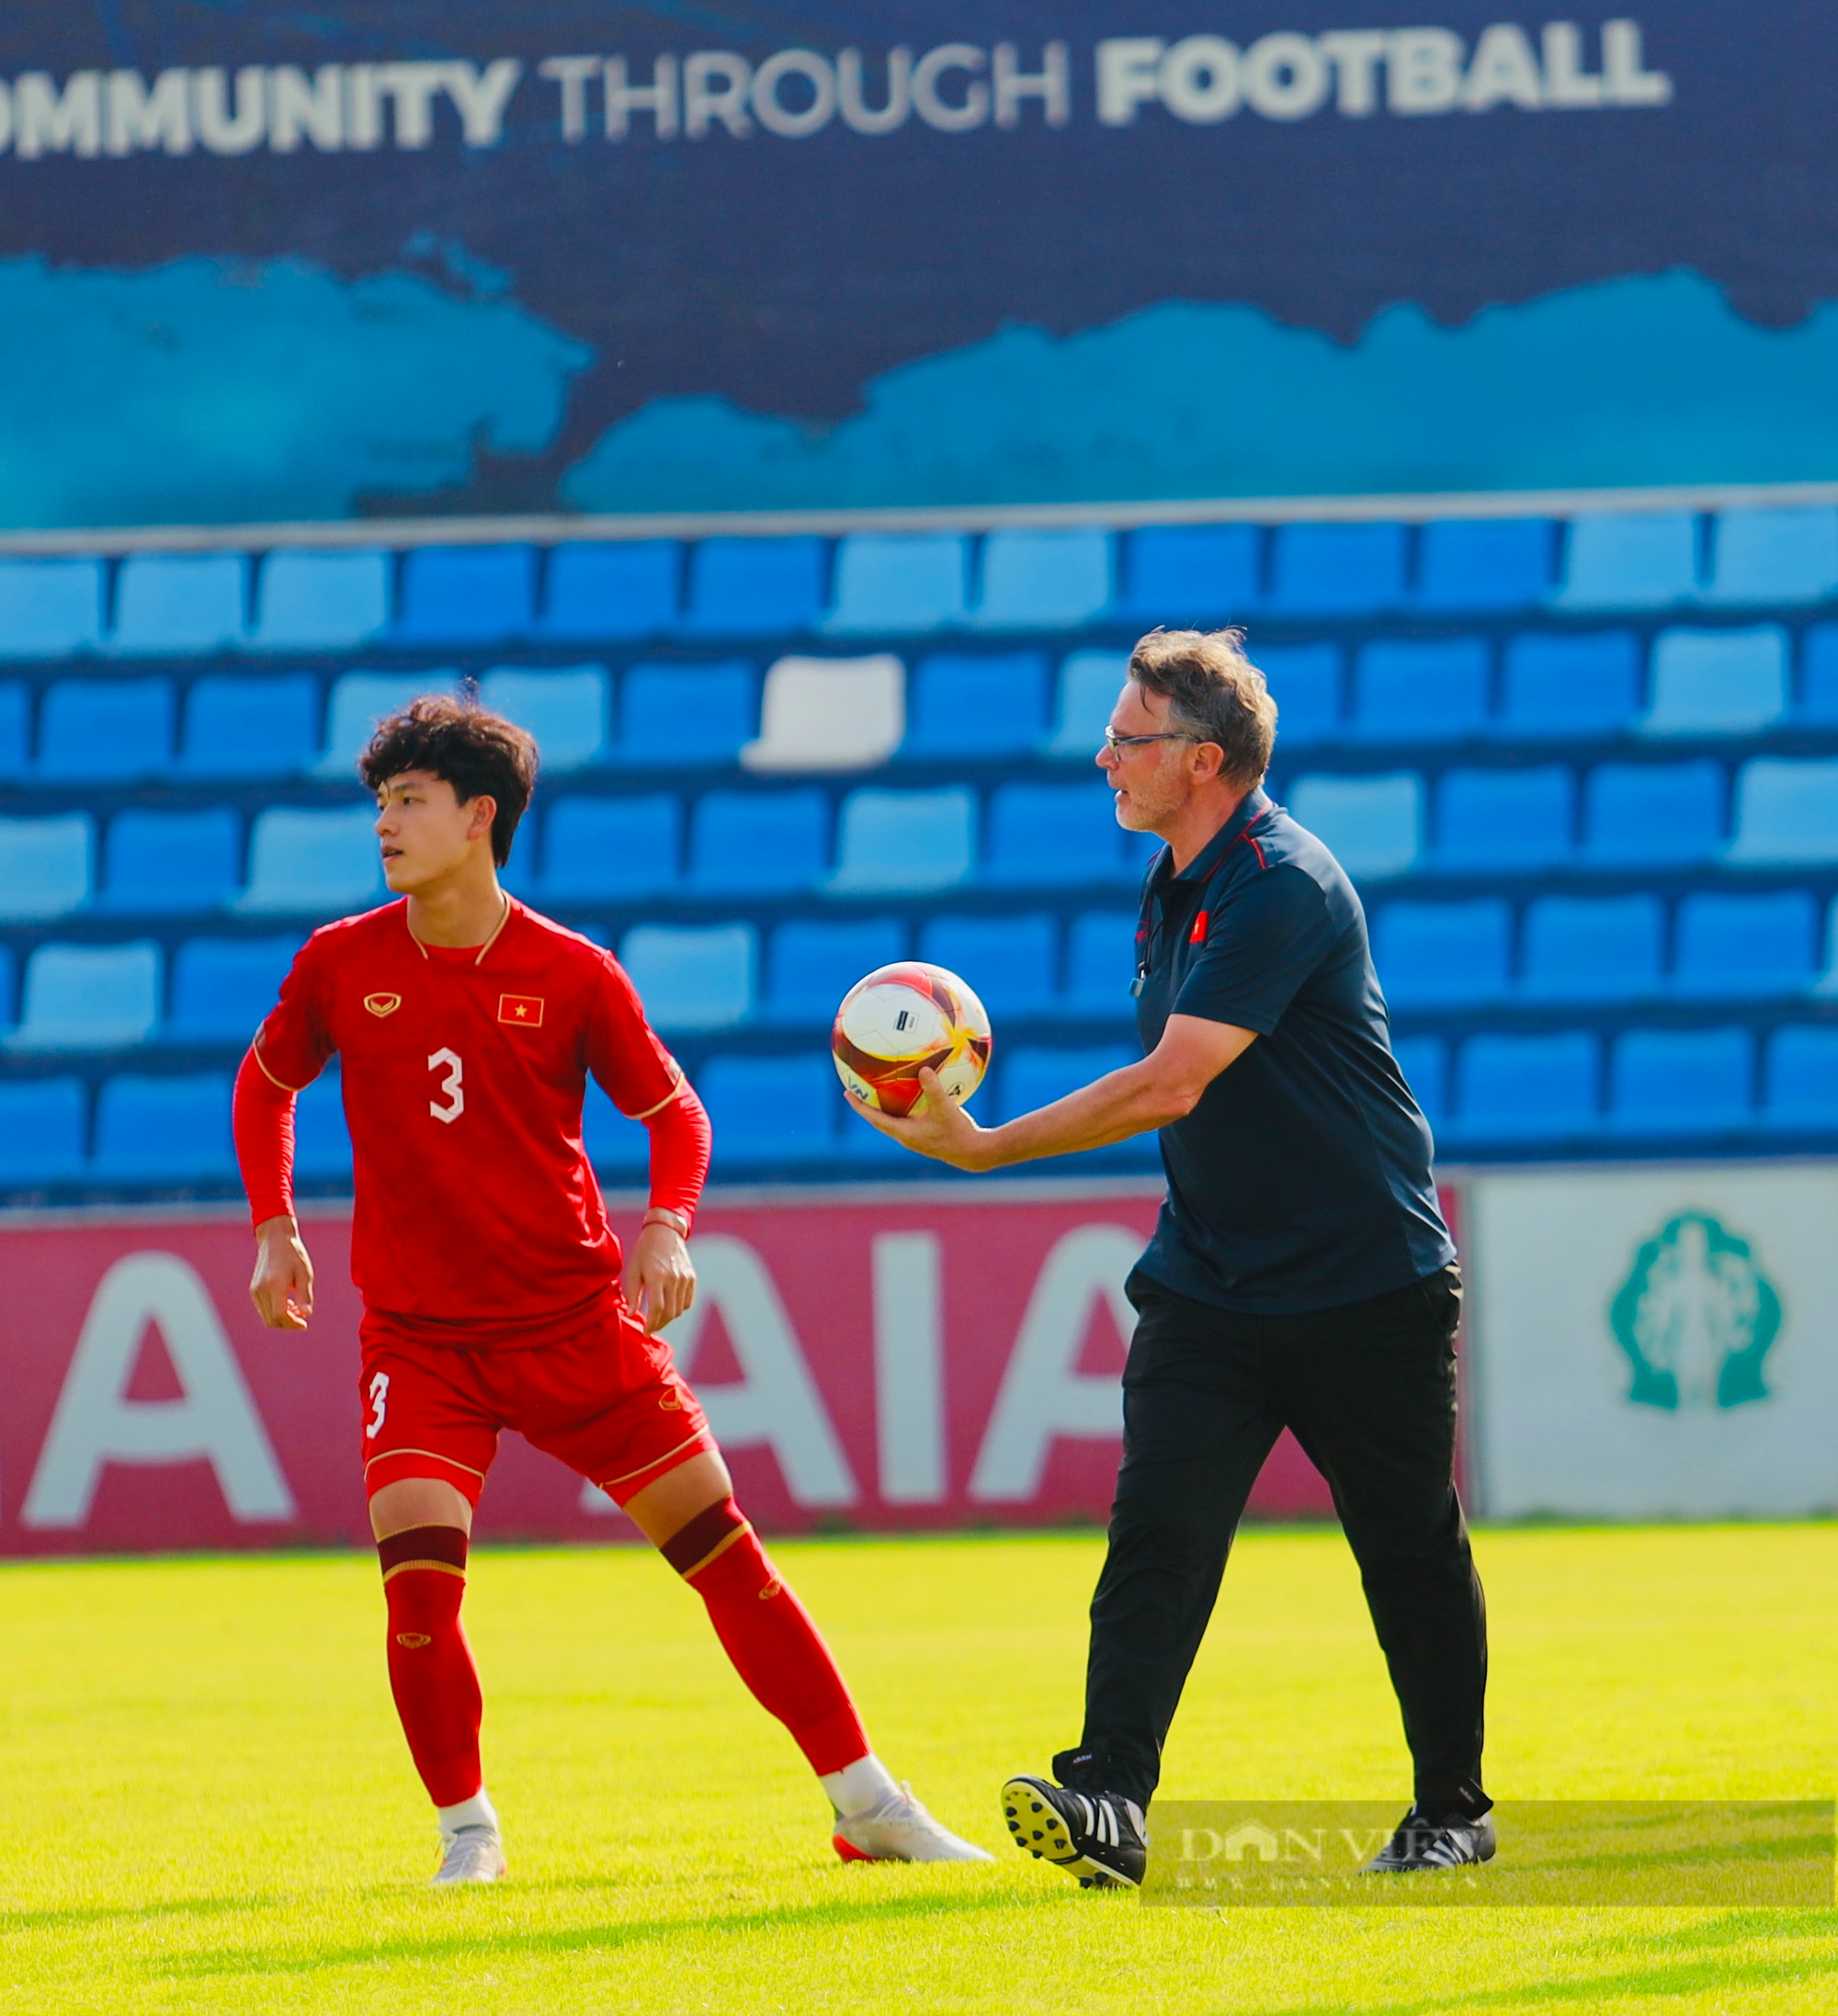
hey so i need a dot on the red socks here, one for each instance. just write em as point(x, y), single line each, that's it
point(431, 1670)
point(768, 1634)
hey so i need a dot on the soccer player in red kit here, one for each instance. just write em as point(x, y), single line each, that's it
point(495, 1292)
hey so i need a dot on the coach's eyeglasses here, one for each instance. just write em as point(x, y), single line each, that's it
point(1118, 743)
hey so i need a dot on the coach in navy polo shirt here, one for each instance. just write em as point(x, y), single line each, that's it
point(1300, 1275)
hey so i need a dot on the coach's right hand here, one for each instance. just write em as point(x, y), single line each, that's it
point(282, 1288)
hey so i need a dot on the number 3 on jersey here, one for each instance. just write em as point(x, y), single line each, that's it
point(451, 1087)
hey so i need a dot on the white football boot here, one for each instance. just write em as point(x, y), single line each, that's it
point(473, 1854)
point(900, 1830)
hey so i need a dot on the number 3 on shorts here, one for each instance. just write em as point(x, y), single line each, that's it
point(380, 1404)
point(450, 1085)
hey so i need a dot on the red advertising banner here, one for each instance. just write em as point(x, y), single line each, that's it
point(891, 1360)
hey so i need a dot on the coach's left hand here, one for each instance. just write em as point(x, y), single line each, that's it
point(660, 1281)
point(941, 1128)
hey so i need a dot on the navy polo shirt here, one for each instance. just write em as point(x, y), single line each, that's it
point(1302, 1180)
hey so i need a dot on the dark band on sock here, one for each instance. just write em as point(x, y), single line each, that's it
point(706, 1535)
point(442, 1549)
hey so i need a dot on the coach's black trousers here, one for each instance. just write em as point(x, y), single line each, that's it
point(1368, 1390)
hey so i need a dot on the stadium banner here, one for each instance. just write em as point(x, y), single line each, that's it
point(636, 258)
point(1655, 1342)
point(881, 1364)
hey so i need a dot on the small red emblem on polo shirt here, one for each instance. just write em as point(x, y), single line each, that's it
point(524, 1010)
point(1197, 934)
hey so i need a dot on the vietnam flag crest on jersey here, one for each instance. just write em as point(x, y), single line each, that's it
point(523, 1011)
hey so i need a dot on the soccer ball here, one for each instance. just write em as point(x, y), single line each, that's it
point(903, 1017)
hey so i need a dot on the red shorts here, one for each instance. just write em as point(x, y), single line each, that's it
point(606, 1401)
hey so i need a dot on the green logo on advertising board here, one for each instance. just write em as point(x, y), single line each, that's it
point(1696, 1317)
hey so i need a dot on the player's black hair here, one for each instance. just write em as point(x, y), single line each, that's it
point(480, 754)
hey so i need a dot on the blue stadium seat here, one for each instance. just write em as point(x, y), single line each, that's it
point(1718, 682)
point(322, 1140)
point(1100, 965)
point(45, 865)
point(1090, 682)
point(16, 729)
point(1372, 825)
point(1819, 675)
point(1596, 949)
point(241, 727)
point(770, 1109)
point(312, 863)
point(180, 604)
point(1526, 1088)
point(1748, 947)
point(1802, 1080)
point(1179, 576)
point(890, 843)
point(105, 730)
point(1424, 1060)
point(810, 966)
point(964, 709)
point(358, 701)
point(1048, 835)
point(1485, 563)
point(616, 1146)
point(322, 601)
point(1629, 559)
point(1030, 1077)
point(900, 584)
point(1008, 961)
point(565, 709)
point(617, 589)
point(42, 1124)
point(1652, 815)
point(681, 715)
point(466, 594)
point(1773, 555)
point(88, 997)
point(1505, 821)
point(8, 975)
point(1682, 1081)
point(49, 608)
point(1443, 955)
point(1566, 685)
point(693, 977)
point(610, 849)
point(1305, 682)
point(169, 863)
point(1411, 691)
point(165, 1131)
point(222, 987)
point(1337, 570)
point(755, 587)
point(1043, 580)
point(1787, 811)
point(759, 843)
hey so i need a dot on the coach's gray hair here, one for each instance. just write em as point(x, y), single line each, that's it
point(1213, 692)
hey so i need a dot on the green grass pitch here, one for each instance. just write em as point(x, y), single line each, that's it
point(205, 1805)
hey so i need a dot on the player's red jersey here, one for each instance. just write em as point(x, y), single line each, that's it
point(478, 1214)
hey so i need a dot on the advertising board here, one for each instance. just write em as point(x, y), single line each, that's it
point(1655, 1342)
point(874, 1365)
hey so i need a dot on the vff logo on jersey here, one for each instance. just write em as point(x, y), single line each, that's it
point(382, 1004)
point(524, 1010)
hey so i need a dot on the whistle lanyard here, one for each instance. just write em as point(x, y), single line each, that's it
point(1149, 929)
